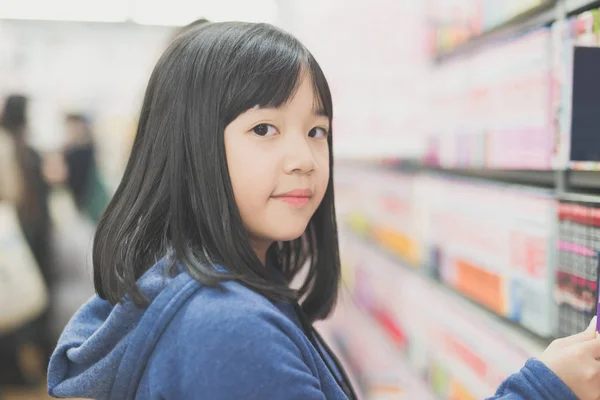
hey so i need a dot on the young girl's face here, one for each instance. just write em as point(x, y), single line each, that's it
point(278, 160)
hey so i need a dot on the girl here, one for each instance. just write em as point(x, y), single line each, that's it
point(227, 196)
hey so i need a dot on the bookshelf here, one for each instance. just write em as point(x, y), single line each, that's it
point(495, 230)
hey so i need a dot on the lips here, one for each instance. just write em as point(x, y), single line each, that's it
point(296, 193)
point(296, 197)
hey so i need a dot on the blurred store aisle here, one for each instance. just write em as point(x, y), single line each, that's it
point(21, 394)
point(25, 394)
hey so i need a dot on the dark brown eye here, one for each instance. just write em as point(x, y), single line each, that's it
point(264, 130)
point(318, 133)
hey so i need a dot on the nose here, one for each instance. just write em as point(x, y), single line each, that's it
point(299, 155)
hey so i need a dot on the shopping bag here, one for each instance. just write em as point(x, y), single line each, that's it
point(97, 197)
point(23, 293)
point(72, 245)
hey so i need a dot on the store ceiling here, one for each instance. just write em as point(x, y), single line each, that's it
point(148, 12)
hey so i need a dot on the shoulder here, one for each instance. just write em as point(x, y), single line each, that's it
point(230, 311)
point(233, 335)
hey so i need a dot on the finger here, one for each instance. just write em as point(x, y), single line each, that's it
point(592, 326)
point(589, 348)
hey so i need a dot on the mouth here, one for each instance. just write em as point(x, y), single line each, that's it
point(296, 197)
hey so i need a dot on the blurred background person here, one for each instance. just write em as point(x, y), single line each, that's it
point(84, 179)
point(24, 184)
point(76, 167)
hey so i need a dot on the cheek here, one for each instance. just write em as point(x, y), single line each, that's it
point(250, 177)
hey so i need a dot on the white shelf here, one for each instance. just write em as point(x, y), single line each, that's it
point(511, 333)
point(572, 6)
point(439, 324)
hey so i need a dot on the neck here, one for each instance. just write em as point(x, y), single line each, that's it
point(260, 248)
point(262, 255)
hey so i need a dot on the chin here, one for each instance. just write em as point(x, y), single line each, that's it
point(288, 235)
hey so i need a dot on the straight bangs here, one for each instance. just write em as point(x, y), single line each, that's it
point(283, 68)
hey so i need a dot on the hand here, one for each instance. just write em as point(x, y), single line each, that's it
point(575, 360)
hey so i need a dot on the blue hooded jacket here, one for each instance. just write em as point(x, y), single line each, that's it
point(198, 342)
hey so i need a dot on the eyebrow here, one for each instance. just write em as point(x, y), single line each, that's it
point(318, 110)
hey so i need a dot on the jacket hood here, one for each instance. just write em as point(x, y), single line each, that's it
point(103, 351)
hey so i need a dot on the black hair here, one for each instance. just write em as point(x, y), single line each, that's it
point(14, 115)
point(76, 117)
point(176, 196)
point(84, 121)
point(191, 26)
point(33, 203)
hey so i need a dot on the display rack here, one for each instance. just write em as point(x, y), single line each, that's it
point(521, 102)
point(524, 102)
point(576, 6)
point(541, 15)
point(544, 14)
point(457, 348)
point(443, 184)
point(412, 231)
point(463, 232)
point(417, 242)
point(379, 370)
point(566, 183)
point(578, 243)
